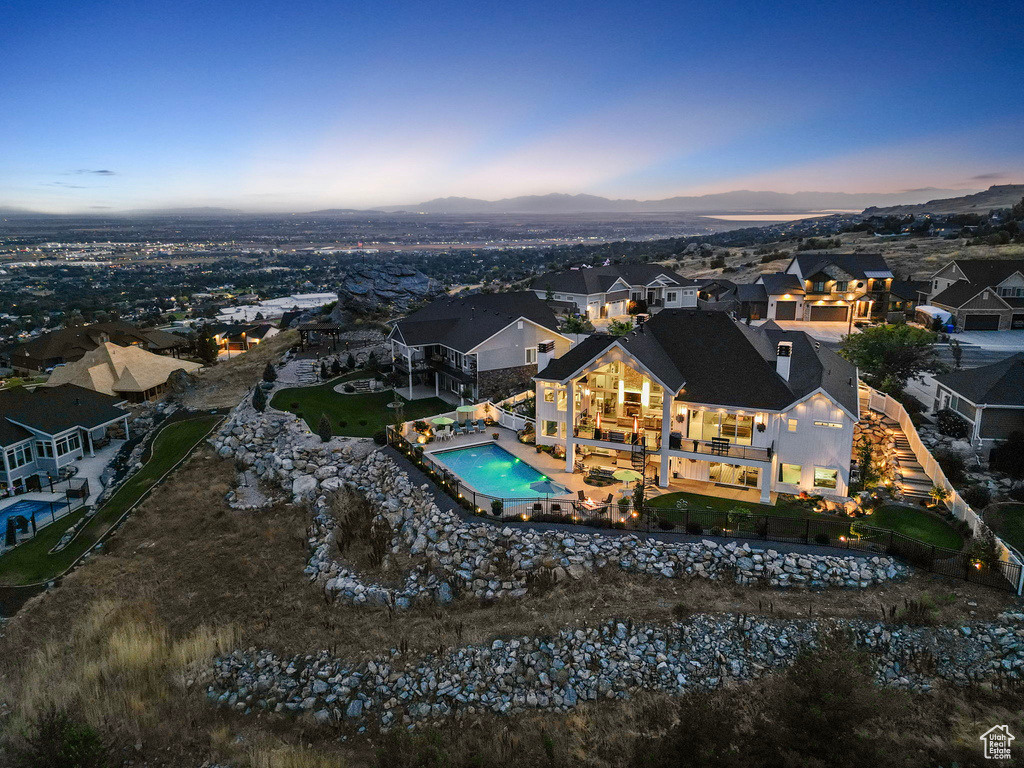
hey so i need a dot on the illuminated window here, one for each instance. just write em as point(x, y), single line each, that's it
point(825, 478)
point(789, 474)
point(792, 425)
point(829, 424)
point(549, 395)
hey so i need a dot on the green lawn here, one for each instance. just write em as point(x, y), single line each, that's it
point(1007, 521)
point(30, 563)
point(352, 415)
point(916, 523)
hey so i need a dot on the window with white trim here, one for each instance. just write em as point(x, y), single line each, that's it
point(19, 456)
point(44, 449)
point(671, 296)
point(531, 355)
point(792, 425)
point(68, 444)
point(790, 473)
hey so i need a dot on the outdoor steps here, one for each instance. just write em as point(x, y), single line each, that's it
point(910, 475)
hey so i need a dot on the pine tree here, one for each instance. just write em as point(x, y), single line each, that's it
point(351, 362)
point(324, 428)
point(324, 373)
point(206, 347)
point(259, 399)
point(336, 367)
point(269, 374)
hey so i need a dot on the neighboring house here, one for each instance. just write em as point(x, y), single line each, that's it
point(783, 296)
point(131, 373)
point(481, 346)
point(982, 295)
point(47, 429)
point(717, 294)
point(71, 344)
point(697, 396)
point(601, 292)
point(990, 398)
point(904, 296)
point(836, 284)
point(231, 337)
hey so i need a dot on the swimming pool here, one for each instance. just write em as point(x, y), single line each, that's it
point(492, 470)
point(44, 511)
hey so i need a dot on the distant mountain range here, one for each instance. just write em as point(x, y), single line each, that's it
point(997, 196)
point(740, 201)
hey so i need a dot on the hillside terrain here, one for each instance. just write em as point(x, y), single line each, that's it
point(996, 196)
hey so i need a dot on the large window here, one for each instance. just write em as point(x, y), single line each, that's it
point(19, 456)
point(705, 425)
point(789, 474)
point(550, 428)
point(825, 478)
point(733, 474)
point(44, 449)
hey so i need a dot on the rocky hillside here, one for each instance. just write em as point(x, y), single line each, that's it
point(383, 288)
point(996, 196)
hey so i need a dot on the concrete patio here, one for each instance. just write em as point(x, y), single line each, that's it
point(90, 468)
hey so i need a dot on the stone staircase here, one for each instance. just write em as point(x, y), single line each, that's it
point(911, 479)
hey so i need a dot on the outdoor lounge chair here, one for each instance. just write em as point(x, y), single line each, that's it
point(459, 429)
point(556, 509)
point(480, 427)
point(538, 508)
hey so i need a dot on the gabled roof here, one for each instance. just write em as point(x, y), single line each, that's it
point(590, 280)
point(71, 343)
point(909, 289)
point(1000, 383)
point(463, 323)
point(781, 283)
point(959, 293)
point(111, 369)
point(987, 272)
point(858, 265)
point(751, 293)
point(53, 410)
point(718, 361)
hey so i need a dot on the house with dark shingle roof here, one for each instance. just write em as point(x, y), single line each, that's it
point(70, 344)
point(990, 398)
point(981, 294)
point(836, 284)
point(43, 430)
point(606, 291)
point(700, 399)
point(485, 345)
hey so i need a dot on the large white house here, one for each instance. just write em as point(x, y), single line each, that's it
point(600, 292)
point(697, 396)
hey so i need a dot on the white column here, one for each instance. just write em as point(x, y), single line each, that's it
point(88, 435)
point(764, 482)
point(408, 357)
point(126, 435)
point(666, 426)
point(570, 440)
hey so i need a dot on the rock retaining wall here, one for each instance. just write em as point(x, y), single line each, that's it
point(478, 558)
point(609, 661)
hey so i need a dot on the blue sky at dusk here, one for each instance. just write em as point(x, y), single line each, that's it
point(301, 105)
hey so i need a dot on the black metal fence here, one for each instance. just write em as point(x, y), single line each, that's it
point(691, 520)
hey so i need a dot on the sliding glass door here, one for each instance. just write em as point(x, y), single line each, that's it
point(733, 474)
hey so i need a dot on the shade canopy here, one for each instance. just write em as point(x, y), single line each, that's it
point(627, 475)
point(443, 421)
point(465, 409)
point(549, 488)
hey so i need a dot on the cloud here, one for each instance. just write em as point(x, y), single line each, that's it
point(100, 207)
point(988, 176)
point(90, 172)
point(65, 185)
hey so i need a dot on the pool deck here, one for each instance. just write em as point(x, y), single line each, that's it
point(89, 467)
point(555, 469)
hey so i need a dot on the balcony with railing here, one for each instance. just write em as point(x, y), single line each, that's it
point(418, 365)
point(719, 447)
point(465, 373)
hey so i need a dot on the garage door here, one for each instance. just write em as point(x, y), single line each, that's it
point(981, 323)
point(828, 314)
point(785, 310)
point(1017, 323)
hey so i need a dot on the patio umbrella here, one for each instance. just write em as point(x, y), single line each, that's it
point(465, 411)
point(626, 476)
point(549, 488)
point(443, 421)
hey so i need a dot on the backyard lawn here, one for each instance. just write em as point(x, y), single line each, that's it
point(916, 523)
point(357, 415)
point(30, 563)
point(1007, 521)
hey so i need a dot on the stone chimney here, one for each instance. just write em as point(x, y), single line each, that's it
point(784, 358)
point(545, 354)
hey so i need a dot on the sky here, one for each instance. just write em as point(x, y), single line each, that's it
point(299, 105)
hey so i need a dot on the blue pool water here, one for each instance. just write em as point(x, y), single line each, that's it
point(492, 470)
point(44, 512)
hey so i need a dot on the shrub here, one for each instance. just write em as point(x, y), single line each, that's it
point(349, 388)
point(1008, 457)
point(497, 505)
point(269, 374)
point(665, 525)
point(951, 424)
point(259, 399)
point(822, 539)
point(293, 405)
point(323, 428)
point(978, 496)
point(694, 528)
point(380, 437)
point(952, 465)
point(56, 740)
point(342, 423)
point(363, 422)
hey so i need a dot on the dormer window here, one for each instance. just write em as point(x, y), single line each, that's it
point(818, 286)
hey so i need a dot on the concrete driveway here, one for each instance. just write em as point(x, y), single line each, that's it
point(826, 332)
point(1010, 341)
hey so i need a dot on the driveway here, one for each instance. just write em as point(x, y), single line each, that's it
point(1008, 341)
point(826, 332)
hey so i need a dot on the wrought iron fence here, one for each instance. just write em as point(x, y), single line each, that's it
point(687, 521)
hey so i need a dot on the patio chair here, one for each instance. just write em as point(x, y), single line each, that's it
point(538, 508)
point(459, 429)
point(480, 426)
point(581, 495)
point(556, 509)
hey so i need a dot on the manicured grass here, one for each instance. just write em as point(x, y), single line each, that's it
point(371, 408)
point(916, 523)
point(1007, 521)
point(30, 563)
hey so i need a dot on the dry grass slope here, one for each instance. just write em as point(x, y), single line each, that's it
point(223, 385)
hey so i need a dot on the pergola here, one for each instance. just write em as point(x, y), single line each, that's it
point(324, 330)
